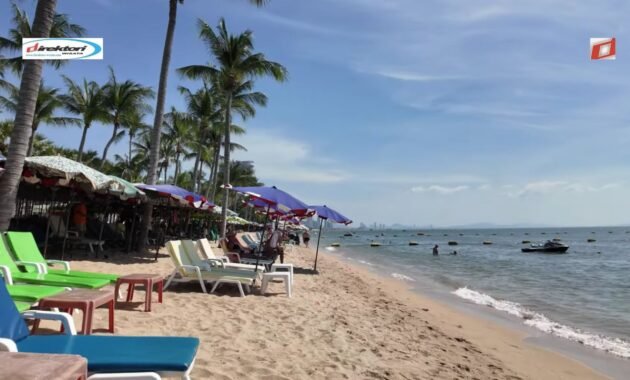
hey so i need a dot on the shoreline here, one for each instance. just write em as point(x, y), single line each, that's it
point(344, 323)
point(510, 345)
point(604, 365)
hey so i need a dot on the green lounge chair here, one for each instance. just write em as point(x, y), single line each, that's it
point(11, 273)
point(22, 306)
point(32, 293)
point(24, 248)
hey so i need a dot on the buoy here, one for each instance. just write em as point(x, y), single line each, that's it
point(452, 242)
point(375, 244)
point(526, 242)
point(591, 240)
point(413, 243)
point(335, 244)
point(487, 242)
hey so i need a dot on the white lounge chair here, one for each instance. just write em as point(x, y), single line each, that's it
point(186, 270)
point(207, 253)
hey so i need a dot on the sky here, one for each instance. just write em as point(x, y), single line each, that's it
point(434, 112)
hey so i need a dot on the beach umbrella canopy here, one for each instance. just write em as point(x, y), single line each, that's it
point(65, 170)
point(271, 196)
point(176, 193)
point(326, 213)
point(124, 189)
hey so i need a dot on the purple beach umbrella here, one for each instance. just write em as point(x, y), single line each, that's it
point(177, 193)
point(326, 213)
point(272, 196)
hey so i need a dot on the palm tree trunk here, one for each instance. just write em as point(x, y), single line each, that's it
point(197, 183)
point(177, 166)
point(109, 143)
point(156, 133)
point(226, 164)
point(82, 144)
point(215, 169)
point(22, 126)
point(208, 188)
point(195, 169)
point(31, 141)
point(129, 154)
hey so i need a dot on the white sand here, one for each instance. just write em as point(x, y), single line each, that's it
point(344, 323)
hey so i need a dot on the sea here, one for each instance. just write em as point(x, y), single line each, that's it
point(582, 296)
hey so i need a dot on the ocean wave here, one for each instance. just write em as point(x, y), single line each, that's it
point(366, 263)
point(402, 277)
point(539, 321)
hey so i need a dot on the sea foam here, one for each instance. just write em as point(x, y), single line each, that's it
point(539, 321)
point(402, 277)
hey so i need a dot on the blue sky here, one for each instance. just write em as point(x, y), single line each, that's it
point(435, 112)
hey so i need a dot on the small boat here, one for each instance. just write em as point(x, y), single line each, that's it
point(375, 244)
point(413, 243)
point(548, 247)
point(487, 242)
point(335, 244)
point(452, 242)
point(526, 242)
point(348, 234)
point(420, 234)
point(591, 240)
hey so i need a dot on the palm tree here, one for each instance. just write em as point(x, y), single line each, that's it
point(135, 125)
point(61, 27)
point(122, 100)
point(48, 102)
point(203, 106)
point(84, 99)
point(238, 67)
point(22, 125)
point(179, 127)
point(159, 112)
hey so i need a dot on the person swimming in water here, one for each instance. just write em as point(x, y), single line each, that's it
point(435, 250)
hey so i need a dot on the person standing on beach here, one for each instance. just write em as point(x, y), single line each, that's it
point(435, 250)
point(79, 218)
point(306, 237)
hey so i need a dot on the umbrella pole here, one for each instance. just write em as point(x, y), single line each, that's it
point(100, 232)
point(52, 202)
point(262, 239)
point(65, 236)
point(319, 236)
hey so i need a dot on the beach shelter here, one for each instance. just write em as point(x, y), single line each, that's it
point(60, 171)
point(326, 213)
point(65, 171)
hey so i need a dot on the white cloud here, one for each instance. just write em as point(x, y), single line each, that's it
point(548, 187)
point(444, 190)
point(279, 158)
point(410, 76)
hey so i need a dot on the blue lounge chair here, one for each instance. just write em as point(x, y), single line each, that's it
point(116, 356)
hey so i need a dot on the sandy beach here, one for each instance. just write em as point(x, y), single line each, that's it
point(345, 323)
